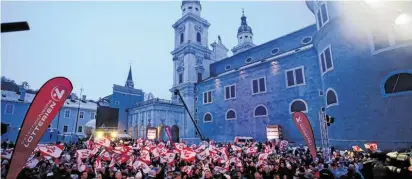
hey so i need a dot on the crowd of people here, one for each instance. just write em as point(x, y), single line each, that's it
point(157, 160)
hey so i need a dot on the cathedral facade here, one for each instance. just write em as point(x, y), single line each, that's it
point(359, 73)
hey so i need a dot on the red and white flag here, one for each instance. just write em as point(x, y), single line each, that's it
point(356, 148)
point(179, 146)
point(97, 163)
point(102, 141)
point(203, 155)
point(218, 169)
point(251, 150)
point(283, 144)
point(188, 170)
point(145, 156)
point(188, 154)
point(33, 161)
point(139, 164)
point(83, 153)
point(51, 150)
point(236, 148)
point(373, 146)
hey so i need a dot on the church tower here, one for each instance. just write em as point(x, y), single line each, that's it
point(191, 57)
point(244, 36)
point(129, 81)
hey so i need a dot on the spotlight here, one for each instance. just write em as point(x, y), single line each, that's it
point(99, 134)
point(403, 19)
point(113, 134)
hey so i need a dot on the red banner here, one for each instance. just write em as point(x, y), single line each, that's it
point(303, 124)
point(42, 110)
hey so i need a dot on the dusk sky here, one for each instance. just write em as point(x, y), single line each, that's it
point(93, 43)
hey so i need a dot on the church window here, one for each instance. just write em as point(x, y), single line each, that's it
point(295, 77)
point(207, 117)
point(274, 51)
point(9, 109)
point(259, 85)
point(398, 83)
point(230, 114)
point(81, 115)
point(260, 111)
point(65, 128)
point(298, 105)
point(331, 97)
point(248, 60)
point(80, 129)
point(117, 103)
point(230, 92)
point(199, 77)
point(198, 37)
point(240, 37)
point(306, 40)
point(246, 36)
point(197, 9)
point(180, 78)
point(207, 97)
point(227, 67)
point(67, 113)
point(184, 9)
point(325, 59)
point(182, 38)
point(190, 7)
point(322, 16)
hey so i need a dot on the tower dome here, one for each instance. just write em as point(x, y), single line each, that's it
point(244, 28)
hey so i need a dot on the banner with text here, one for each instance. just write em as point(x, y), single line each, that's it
point(48, 101)
point(169, 132)
point(303, 124)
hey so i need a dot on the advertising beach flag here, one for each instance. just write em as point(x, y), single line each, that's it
point(48, 101)
point(303, 124)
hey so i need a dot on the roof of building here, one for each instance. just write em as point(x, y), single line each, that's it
point(269, 49)
point(13, 96)
point(190, 1)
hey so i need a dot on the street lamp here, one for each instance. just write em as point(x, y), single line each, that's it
point(14, 26)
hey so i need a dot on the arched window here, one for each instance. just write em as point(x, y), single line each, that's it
point(230, 114)
point(261, 111)
point(207, 117)
point(182, 38)
point(331, 97)
point(397, 83)
point(198, 37)
point(298, 105)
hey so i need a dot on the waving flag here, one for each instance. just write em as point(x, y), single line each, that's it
point(102, 141)
point(373, 146)
point(356, 148)
point(46, 104)
point(236, 148)
point(51, 150)
point(203, 155)
point(188, 154)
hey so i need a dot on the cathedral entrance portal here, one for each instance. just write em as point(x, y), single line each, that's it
point(161, 133)
point(175, 133)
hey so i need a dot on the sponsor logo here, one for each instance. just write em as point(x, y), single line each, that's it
point(57, 93)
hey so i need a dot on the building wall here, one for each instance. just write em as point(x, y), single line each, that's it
point(364, 110)
point(125, 98)
point(276, 99)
